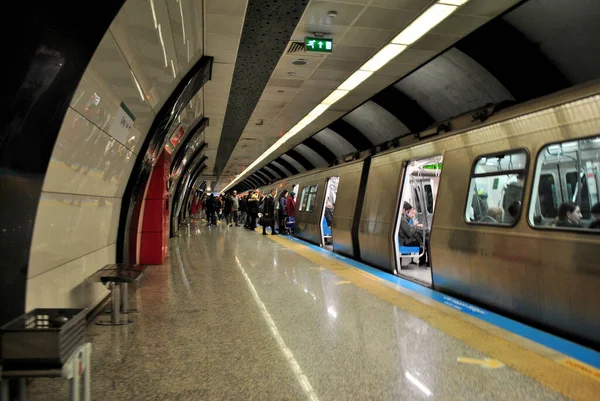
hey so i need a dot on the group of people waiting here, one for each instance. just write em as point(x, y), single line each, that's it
point(245, 210)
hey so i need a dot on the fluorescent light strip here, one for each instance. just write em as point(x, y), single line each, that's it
point(162, 43)
point(335, 96)
point(430, 18)
point(424, 23)
point(138, 85)
point(173, 68)
point(287, 352)
point(382, 57)
point(355, 79)
point(153, 14)
point(182, 23)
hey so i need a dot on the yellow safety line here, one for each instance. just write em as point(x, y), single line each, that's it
point(574, 380)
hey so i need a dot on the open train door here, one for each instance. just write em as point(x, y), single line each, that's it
point(415, 217)
point(327, 212)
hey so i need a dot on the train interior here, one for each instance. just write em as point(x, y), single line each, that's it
point(413, 227)
point(496, 189)
point(567, 172)
point(327, 212)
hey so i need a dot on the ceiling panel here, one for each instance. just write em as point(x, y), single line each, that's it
point(359, 30)
point(385, 18)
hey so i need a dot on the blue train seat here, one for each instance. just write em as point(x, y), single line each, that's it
point(409, 250)
point(326, 230)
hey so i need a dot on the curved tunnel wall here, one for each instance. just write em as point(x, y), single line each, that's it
point(94, 126)
point(47, 62)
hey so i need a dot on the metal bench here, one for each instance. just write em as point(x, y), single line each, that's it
point(117, 277)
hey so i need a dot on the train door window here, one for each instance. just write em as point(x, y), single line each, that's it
point(496, 190)
point(574, 167)
point(413, 227)
point(303, 198)
point(295, 190)
point(312, 197)
point(327, 213)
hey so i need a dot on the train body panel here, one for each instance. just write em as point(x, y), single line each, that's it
point(523, 268)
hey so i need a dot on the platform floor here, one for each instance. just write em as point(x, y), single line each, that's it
point(235, 315)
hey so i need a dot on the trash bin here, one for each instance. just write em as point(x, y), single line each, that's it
point(42, 338)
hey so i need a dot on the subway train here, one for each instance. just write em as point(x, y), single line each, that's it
point(493, 204)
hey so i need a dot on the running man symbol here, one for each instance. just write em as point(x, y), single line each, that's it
point(311, 43)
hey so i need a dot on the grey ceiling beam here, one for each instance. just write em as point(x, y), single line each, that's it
point(320, 149)
point(351, 134)
point(405, 109)
point(267, 173)
point(287, 165)
point(518, 63)
point(276, 170)
point(300, 159)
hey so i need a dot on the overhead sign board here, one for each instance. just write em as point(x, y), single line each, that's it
point(318, 45)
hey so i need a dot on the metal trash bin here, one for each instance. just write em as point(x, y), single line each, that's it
point(42, 338)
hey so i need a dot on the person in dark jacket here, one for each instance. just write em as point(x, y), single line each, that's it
point(252, 206)
point(595, 225)
point(290, 208)
point(282, 212)
point(211, 210)
point(227, 209)
point(269, 213)
point(409, 233)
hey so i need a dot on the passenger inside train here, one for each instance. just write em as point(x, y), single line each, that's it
point(497, 189)
point(420, 187)
point(565, 189)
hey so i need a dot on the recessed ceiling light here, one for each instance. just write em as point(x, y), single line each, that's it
point(300, 61)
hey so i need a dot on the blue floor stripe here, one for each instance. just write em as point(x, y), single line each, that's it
point(558, 344)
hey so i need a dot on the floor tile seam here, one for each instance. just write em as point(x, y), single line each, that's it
point(540, 368)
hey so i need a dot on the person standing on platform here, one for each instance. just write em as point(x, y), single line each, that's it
point(235, 207)
point(227, 209)
point(282, 212)
point(290, 208)
point(243, 209)
point(252, 207)
point(269, 213)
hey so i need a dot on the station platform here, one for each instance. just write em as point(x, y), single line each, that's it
point(234, 315)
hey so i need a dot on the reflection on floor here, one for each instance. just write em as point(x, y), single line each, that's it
point(415, 272)
point(234, 315)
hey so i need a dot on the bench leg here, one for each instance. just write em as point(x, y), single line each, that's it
point(115, 316)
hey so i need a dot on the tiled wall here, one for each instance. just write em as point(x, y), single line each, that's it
point(109, 116)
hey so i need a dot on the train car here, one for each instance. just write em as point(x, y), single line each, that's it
point(505, 212)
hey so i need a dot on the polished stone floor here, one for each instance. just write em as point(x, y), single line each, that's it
point(234, 315)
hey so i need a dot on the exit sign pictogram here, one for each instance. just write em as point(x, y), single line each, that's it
point(319, 45)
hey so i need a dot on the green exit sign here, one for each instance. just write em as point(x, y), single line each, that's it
point(320, 45)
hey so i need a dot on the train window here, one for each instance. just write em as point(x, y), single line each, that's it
point(565, 187)
point(496, 189)
point(303, 198)
point(429, 197)
point(312, 197)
